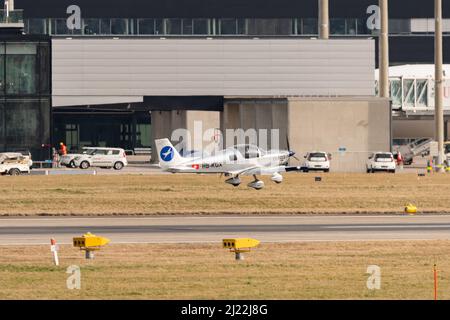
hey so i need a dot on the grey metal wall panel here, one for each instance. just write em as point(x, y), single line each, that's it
point(88, 68)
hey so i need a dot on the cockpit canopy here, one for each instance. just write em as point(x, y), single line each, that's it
point(249, 151)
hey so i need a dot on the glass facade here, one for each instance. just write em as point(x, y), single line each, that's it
point(25, 96)
point(13, 16)
point(412, 94)
point(127, 130)
point(210, 27)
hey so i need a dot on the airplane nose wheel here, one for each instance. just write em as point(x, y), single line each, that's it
point(277, 178)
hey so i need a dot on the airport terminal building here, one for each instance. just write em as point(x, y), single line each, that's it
point(126, 72)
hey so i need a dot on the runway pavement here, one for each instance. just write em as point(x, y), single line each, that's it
point(177, 229)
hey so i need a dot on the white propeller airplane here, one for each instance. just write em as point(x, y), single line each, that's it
point(235, 161)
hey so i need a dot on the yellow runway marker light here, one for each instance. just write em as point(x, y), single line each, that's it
point(89, 243)
point(411, 209)
point(240, 245)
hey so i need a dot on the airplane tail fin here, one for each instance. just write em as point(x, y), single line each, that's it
point(167, 154)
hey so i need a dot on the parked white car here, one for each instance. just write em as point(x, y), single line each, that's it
point(68, 159)
point(317, 161)
point(381, 161)
point(103, 158)
point(14, 164)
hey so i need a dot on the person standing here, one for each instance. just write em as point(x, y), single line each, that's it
point(62, 149)
point(55, 158)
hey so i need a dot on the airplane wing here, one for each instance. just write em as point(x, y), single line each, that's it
point(265, 171)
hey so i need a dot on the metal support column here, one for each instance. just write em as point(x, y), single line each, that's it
point(324, 20)
point(384, 51)
point(439, 93)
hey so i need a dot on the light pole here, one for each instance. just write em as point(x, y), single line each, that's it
point(324, 20)
point(438, 84)
point(383, 82)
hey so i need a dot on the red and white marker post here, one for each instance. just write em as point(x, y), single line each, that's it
point(54, 249)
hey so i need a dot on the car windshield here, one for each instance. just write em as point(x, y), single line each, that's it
point(447, 148)
point(383, 157)
point(318, 156)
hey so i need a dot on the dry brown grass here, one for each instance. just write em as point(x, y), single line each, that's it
point(272, 271)
point(194, 194)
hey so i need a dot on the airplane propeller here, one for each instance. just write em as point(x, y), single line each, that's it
point(291, 153)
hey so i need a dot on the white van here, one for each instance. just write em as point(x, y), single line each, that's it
point(103, 158)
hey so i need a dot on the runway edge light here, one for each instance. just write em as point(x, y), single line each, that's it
point(89, 243)
point(240, 245)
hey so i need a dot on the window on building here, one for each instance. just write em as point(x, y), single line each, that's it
point(173, 26)
point(228, 26)
point(269, 26)
point(72, 136)
point(397, 26)
point(146, 26)
point(159, 26)
point(60, 26)
point(24, 113)
point(43, 59)
point(2, 127)
point(91, 26)
point(337, 26)
point(201, 26)
point(188, 26)
point(351, 26)
point(242, 26)
point(422, 93)
point(2, 69)
point(21, 68)
point(125, 133)
point(36, 26)
point(396, 93)
point(297, 26)
point(310, 27)
point(409, 93)
point(119, 26)
point(22, 123)
point(223, 26)
point(105, 26)
point(143, 135)
point(362, 26)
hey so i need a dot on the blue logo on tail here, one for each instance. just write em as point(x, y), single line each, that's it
point(166, 154)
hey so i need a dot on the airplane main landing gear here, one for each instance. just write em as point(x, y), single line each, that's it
point(234, 181)
point(256, 184)
point(277, 178)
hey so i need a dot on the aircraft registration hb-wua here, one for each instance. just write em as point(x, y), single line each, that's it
point(246, 160)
